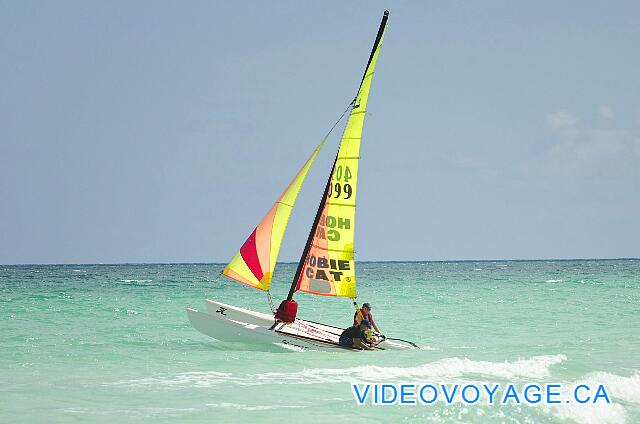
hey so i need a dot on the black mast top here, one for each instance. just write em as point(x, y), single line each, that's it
point(307, 246)
point(383, 25)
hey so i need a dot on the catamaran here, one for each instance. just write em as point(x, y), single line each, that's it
point(327, 265)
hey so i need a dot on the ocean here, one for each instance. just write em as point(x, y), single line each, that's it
point(107, 343)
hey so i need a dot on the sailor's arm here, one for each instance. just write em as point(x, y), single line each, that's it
point(375, 327)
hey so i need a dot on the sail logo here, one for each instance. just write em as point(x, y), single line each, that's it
point(317, 268)
point(328, 227)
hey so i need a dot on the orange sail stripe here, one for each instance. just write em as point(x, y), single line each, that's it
point(263, 239)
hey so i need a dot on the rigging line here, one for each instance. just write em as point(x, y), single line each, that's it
point(353, 102)
point(273, 308)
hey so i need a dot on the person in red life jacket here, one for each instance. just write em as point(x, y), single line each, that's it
point(355, 336)
point(365, 313)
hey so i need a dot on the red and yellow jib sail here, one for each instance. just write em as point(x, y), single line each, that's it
point(327, 266)
point(253, 264)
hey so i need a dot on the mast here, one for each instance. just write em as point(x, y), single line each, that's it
point(323, 200)
point(307, 246)
point(383, 24)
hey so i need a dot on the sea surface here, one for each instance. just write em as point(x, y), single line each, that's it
point(112, 343)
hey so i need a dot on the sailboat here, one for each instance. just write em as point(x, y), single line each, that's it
point(327, 265)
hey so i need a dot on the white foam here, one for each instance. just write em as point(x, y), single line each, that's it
point(425, 347)
point(136, 281)
point(619, 388)
point(290, 347)
point(251, 407)
point(554, 281)
point(74, 410)
point(536, 367)
point(612, 413)
point(197, 379)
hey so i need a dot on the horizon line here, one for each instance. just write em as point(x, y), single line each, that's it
point(295, 262)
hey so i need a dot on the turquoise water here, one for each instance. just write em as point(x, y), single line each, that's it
point(98, 343)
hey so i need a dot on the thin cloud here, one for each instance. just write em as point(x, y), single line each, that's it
point(562, 119)
point(584, 149)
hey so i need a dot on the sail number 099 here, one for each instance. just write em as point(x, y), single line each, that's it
point(341, 186)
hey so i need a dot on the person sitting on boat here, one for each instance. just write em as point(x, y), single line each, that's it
point(365, 313)
point(355, 336)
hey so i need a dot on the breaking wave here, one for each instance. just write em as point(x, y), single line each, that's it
point(619, 387)
point(622, 390)
point(537, 367)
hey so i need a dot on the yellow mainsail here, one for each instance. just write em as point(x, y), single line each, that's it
point(253, 264)
point(327, 267)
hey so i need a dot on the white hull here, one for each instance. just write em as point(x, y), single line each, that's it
point(232, 324)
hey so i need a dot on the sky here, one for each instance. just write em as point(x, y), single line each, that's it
point(162, 131)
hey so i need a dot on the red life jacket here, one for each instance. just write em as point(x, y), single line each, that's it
point(367, 317)
point(287, 311)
